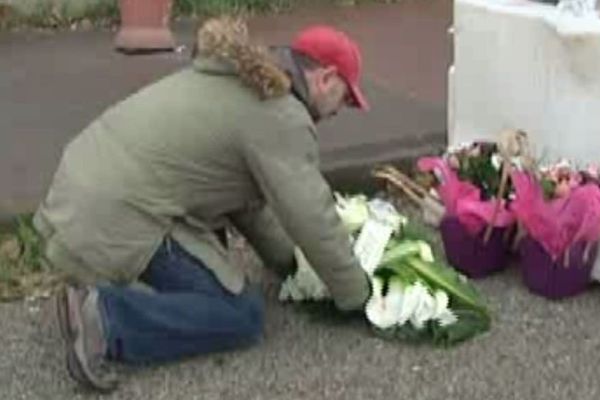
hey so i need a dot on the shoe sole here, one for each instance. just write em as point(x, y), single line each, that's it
point(74, 345)
point(62, 310)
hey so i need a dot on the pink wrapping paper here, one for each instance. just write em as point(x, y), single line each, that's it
point(557, 224)
point(463, 199)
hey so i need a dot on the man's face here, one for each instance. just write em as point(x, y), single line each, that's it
point(328, 91)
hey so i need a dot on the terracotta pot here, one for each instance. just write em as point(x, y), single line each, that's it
point(145, 25)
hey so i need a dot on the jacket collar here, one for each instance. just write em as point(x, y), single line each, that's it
point(285, 58)
point(213, 66)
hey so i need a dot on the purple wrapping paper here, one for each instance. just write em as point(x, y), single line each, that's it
point(468, 254)
point(552, 279)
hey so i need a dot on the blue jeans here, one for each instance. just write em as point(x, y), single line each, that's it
point(189, 312)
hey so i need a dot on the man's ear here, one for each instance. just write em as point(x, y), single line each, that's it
point(325, 77)
point(330, 72)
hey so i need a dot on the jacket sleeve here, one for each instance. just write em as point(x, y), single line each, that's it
point(284, 164)
point(262, 229)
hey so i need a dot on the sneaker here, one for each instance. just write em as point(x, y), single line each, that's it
point(81, 328)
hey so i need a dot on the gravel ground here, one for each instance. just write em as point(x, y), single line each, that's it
point(537, 349)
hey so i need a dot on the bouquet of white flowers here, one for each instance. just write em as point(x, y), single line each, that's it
point(414, 295)
point(418, 297)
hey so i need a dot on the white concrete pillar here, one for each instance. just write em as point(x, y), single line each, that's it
point(527, 65)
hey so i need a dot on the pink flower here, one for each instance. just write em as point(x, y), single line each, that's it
point(576, 179)
point(562, 189)
point(592, 170)
point(453, 162)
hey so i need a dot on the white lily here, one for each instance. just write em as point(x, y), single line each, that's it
point(443, 314)
point(382, 311)
point(496, 160)
point(353, 211)
point(441, 302)
point(305, 284)
point(447, 318)
point(409, 305)
point(425, 309)
point(289, 290)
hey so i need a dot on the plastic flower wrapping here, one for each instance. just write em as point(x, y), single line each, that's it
point(415, 296)
point(559, 179)
point(558, 205)
point(473, 182)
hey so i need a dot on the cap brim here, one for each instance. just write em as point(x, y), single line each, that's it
point(358, 98)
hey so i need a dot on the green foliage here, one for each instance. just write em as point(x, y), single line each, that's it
point(548, 188)
point(21, 249)
point(30, 243)
point(60, 13)
point(215, 7)
point(479, 170)
point(22, 268)
point(66, 13)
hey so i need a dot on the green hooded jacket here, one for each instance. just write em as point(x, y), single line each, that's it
point(184, 157)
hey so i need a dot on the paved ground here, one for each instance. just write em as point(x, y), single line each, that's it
point(52, 85)
point(537, 350)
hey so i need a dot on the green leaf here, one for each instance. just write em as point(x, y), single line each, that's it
point(480, 171)
point(548, 188)
point(419, 231)
point(416, 231)
point(406, 333)
point(30, 242)
point(401, 250)
point(437, 275)
point(461, 291)
point(397, 271)
point(470, 323)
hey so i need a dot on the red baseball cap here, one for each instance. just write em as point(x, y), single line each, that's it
point(331, 47)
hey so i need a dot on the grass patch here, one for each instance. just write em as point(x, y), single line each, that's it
point(59, 14)
point(216, 7)
point(23, 272)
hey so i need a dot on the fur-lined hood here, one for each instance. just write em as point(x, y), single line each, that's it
point(223, 47)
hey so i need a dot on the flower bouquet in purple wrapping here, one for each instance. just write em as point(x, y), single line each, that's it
point(552, 278)
point(469, 253)
point(477, 227)
point(558, 211)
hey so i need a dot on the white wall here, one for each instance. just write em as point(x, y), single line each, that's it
point(516, 68)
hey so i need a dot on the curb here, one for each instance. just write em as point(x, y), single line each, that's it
point(348, 174)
